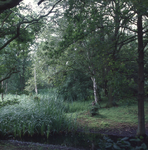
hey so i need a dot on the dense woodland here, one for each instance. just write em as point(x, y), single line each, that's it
point(83, 50)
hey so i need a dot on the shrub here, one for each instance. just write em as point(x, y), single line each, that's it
point(94, 109)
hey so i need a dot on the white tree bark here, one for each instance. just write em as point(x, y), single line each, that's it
point(92, 70)
point(95, 89)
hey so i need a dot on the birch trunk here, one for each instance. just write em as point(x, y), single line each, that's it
point(95, 89)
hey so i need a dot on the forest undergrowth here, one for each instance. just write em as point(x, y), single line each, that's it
point(44, 115)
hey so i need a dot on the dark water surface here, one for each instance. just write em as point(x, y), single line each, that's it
point(79, 140)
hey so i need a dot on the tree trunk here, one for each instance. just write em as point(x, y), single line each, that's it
point(6, 89)
point(35, 83)
point(110, 96)
point(2, 94)
point(22, 84)
point(95, 89)
point(141, 117)
point(114, 53)
point(110, 102)
point(105, 88)
point(23, 77)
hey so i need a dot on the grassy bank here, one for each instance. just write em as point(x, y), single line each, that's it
point(124, 113)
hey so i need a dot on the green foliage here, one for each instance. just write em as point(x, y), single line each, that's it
point(121, 144)
point(18, 31)
point(128, 101)
point(76, 86)
point(76, 106)
point(29, 118)
point(36, 98)
point(9, 102)
point(48, 116)
point(1, 90)
point(109, 117)
point(94, 109)
point(96, 41)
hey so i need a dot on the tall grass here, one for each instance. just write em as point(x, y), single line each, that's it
point(30, 117)
point(76, 106)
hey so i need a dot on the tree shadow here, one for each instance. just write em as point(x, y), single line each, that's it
point(99, 116)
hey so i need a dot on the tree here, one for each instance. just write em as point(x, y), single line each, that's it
point(123, 21)
point(92, 19)
point(14, 46)
point(141, 45)
point(14, 25)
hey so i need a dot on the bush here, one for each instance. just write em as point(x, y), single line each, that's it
point(94, 109)
point(9, 102)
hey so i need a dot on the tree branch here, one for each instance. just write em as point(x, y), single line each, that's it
point(6, 18)
point(34, 20)
point(50, 10)
point(13, 38)
point(7, 4)
point(9, 75)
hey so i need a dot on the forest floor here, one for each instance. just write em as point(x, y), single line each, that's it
point(119, 130)
point(112, 128)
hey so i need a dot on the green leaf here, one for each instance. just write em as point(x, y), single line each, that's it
point(124, 144)
point(144, 146)
point(124, 139)
point(116, 146)
point(135, 140)
point(141, 137)
point(108, 145)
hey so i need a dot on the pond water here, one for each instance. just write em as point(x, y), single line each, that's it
point(77, 140)
point(85, 140)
